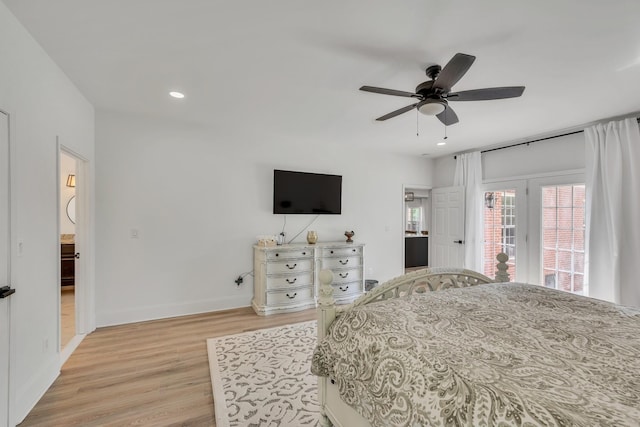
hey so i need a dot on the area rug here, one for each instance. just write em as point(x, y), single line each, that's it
point(262, 378)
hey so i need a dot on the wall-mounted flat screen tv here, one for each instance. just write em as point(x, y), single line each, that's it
point(306, 193)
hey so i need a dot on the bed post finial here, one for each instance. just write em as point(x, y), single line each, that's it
point(325, 297)
point(326, 303)
point(501, 274)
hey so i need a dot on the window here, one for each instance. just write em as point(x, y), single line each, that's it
point(563, 235)
point(414, 219)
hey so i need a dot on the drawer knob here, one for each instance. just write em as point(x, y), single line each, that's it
point(331, 251)
point(292, 296)
point(292, 281)
point(291, 267)
point(343, 275)
point(304, 253)
point(344, 289)
point(277, 254)
point(345, 262)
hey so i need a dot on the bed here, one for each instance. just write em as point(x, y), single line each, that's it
point(475, 353)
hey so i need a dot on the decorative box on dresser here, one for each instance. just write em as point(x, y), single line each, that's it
point(286, 276)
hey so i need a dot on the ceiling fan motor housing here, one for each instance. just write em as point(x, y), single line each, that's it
point(431, 102)
point(424, 88)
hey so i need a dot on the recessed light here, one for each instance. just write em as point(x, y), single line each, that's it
point(441, 143)
point(178, 95)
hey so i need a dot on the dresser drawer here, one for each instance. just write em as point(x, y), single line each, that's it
point(341, 252)
point(344, 276)
point(342, 262)
point(277, 255)
point(292, 296)
point(346, 290)
point(290, 280)
point(291, 266)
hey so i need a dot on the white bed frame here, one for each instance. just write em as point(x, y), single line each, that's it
point(333, 410)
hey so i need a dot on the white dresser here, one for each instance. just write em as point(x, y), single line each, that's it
point(286, 276)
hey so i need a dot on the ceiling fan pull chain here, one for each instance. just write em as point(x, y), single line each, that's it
point(417, 130)
point(445, 126)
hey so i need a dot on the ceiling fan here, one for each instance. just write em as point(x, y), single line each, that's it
point(434, 95)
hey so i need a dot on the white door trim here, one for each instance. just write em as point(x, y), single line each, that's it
point(9, 356)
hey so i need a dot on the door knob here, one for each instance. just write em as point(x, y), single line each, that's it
point(458, 242)
point(77, 255)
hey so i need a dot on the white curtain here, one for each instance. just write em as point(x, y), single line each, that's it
point(613, 211)
point(469, 174)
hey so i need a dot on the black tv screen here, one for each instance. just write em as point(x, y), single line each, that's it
point(306, 193)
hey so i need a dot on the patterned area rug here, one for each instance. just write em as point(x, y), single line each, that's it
point(262, 378)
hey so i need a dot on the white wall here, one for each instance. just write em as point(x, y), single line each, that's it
point(42, 104)
point(198, 201)
point(553, 155)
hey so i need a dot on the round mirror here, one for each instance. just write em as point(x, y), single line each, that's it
point(71, 209)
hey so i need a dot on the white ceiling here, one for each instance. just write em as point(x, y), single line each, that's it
point(291, 69)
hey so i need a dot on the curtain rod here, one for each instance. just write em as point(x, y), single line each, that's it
point(535, 140)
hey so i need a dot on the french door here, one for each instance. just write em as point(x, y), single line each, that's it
point(557, 211)
point(505, 227)
point(539, 223)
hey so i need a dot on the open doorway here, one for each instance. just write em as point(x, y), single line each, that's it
point(67, 217)
point(76, 307)
point(417, 221)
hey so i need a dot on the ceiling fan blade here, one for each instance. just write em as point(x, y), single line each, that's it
point(448, 116)
point(389, 91)
point(397, 112)
point(453, 71)
point(486, 94)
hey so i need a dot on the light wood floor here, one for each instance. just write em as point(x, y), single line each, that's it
point(145, 374)
point(67, 315)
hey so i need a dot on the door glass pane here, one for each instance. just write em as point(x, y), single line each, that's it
point(563, 237)
point(499, 230)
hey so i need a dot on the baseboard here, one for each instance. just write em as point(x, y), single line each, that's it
point(142, 314)
point(32, 391)
point(70, 348)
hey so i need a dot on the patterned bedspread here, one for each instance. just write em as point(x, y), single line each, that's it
point(488, 355)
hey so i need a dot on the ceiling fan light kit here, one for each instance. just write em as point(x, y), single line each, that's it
point(434, 94)
point(431, 107)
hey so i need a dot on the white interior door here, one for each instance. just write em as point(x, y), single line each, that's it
point(447, 235)
point(4, 270)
